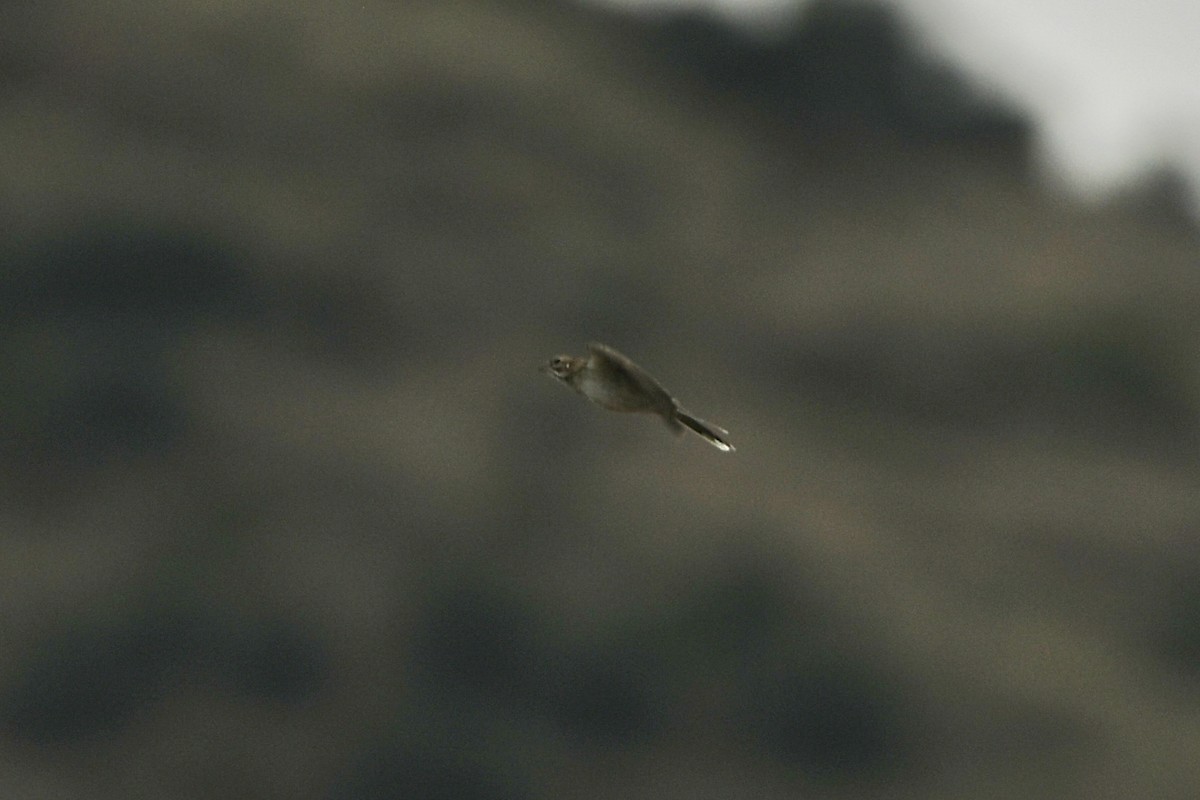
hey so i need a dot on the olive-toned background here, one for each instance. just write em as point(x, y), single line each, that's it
point(288, 512)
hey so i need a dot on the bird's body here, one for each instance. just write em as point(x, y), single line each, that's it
point(611, 380)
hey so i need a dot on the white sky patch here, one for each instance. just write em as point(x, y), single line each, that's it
point(1113, 86)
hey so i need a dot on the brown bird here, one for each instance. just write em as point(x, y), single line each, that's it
point(611, 380)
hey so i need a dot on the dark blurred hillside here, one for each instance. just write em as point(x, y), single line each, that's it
point(848, 68)
point(289, 511)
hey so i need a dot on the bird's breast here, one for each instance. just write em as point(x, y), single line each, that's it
point(612, 395)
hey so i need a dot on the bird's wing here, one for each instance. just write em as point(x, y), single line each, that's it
point(620, 369)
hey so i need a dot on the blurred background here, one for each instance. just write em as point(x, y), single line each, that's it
point(288, 512)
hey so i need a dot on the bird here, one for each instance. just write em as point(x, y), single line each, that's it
point(613, 381)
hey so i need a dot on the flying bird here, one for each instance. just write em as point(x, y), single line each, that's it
point(611, 380)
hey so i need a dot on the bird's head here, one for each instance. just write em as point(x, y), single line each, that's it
point(560, 367)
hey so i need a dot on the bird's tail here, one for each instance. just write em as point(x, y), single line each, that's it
point(717, 437)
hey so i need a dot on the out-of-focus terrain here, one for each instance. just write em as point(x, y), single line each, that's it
point(288, 511)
